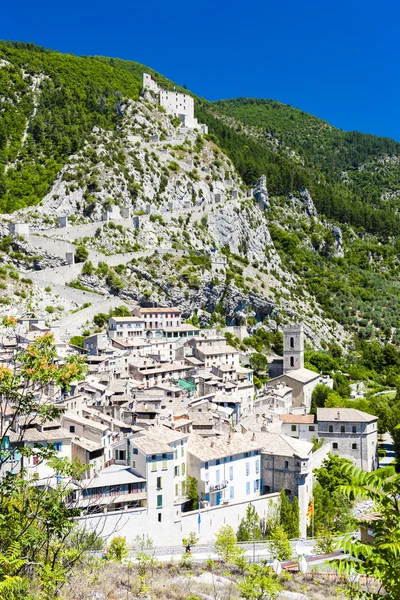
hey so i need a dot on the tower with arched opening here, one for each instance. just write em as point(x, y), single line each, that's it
point(293, 348)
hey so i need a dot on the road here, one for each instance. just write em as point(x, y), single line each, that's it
point(390, 454)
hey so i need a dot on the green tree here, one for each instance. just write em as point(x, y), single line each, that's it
point(192, 493)
point(333, 472)
point(226, 545)
point(249, 527)
point(260, 583)
point(81, 254)
point(279, 545)
point(118, 549)
point(289, 515)
point(319, 396)
point(77, 340)
point(380, 561)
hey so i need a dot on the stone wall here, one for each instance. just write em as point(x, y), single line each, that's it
point(141, 521)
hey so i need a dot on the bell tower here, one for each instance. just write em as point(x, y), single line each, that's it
point(293, 348)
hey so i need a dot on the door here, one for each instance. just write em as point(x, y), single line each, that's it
point(218, 498)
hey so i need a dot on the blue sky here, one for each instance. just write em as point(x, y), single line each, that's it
point(338, 60)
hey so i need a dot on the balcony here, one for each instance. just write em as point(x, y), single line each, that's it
point(218, 486)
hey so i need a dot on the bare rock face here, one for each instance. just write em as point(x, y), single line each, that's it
point(337, 234)
point(308, 203)
point(260, 193)
point(240, 231)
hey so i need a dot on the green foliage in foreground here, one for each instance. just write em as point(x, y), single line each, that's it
point(381, 560)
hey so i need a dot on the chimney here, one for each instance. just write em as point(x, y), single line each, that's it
point(338, 414)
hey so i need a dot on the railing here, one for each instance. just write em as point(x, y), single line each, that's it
point(219, 486)
point(113, 493)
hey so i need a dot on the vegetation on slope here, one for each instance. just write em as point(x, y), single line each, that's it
point(40, 129)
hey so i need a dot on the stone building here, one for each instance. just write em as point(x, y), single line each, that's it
point(352, 434)
point(293, 348)
point(288, 464)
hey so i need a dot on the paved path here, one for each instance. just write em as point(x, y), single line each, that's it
point(390, 454)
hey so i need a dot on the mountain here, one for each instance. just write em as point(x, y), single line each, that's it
point(318, 243)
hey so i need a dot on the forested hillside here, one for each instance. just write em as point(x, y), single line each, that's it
point(353, 177)
point(50, 105)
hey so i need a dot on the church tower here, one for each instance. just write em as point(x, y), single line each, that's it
point(293, 348)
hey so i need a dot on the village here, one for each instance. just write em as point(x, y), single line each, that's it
point(173, 432)
point(166, 406)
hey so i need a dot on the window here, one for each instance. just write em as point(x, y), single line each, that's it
point(134, 450)
point(134, 464)
point(183, 469)
point(292, 342)
point(330, 428)
point(159, 501)
point(248, 487)
point(153, 465)
point(176, 472)
point(292, 361)
point(354, 429)
point(293, 428)
point(176, 454)
point(256, 485)
point(354, 446)
point(334, 446)
point(311, 428)
point(159, 483)
point(231, 473)
point(286, 464)
point(206, 465)
point(72, 428)
point(247, 468)
point(231, 492)
point(159, 517)
point(217, 462)
point(58, 446)
point(176, 490)
point(257, 466)
point(342, 429)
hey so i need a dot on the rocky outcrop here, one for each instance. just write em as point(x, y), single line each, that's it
point(338, 237)
point(308, 203)
point(260, 193)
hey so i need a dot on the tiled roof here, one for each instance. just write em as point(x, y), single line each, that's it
point(225, 445)
point(347, 415)
point(298, 419)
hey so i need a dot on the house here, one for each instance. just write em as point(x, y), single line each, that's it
point(158, 318)
point(150, 373)
point(96, 343)
point(217, 355)
point(45, 434)
point(302, 382)
point(288, 464)
point(126, 328)
point(352, 433)
point(159, 455)
point(89, 429)
point(227, 468)
point(302, 427)
point(115, 488)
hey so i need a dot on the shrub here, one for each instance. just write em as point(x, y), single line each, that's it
point(49, 309)
point(118, 549)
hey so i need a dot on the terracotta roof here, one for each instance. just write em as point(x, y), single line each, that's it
point(297, 418)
